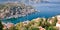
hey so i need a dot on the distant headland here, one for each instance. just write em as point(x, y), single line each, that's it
point(14, 10)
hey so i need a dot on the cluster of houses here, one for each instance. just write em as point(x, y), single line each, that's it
point(15, 11)
point(7, 25)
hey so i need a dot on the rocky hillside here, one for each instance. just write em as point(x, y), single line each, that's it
point(10, 10)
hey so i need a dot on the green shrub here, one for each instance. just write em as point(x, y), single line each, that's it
point(1, 26)
point(52, 28)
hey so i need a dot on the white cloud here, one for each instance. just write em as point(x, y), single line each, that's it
point(53, 0)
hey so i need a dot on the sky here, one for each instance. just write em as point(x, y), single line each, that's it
point(19, 0)
point(54, 0)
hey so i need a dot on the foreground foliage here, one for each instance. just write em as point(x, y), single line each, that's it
point(35, 23)
point(1, 26)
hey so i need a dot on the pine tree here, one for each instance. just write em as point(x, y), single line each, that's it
point(1, 26)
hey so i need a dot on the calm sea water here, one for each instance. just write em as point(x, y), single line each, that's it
point(46, 10)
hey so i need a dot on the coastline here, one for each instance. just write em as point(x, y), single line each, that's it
point(14, 11)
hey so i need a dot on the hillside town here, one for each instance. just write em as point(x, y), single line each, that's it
point(29, 14)
point(13, 10)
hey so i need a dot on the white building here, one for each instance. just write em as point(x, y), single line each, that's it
point(58, 22)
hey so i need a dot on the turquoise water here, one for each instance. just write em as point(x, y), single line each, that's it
point(46, 10)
